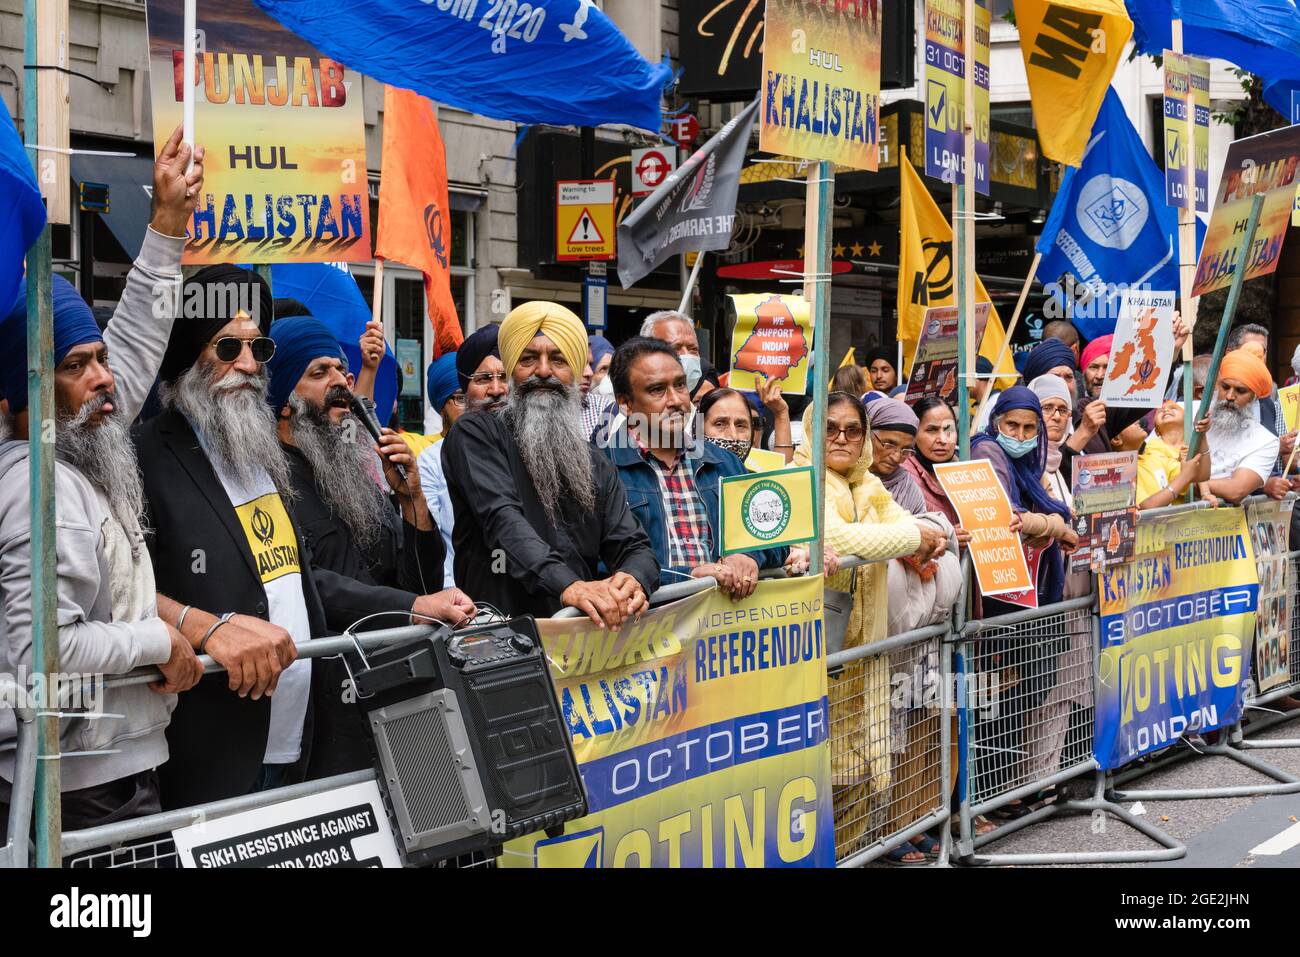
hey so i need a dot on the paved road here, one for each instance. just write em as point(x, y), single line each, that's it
point(1262, 831)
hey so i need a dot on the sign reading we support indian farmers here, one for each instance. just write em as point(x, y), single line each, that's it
point(284, 130)
point(1265, 164)
point(773, 337)
point(982, 506)
point(821, 81)
point(1177, 627)
point(701, 735)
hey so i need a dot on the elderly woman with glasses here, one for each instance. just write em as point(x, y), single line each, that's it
point(862, 520)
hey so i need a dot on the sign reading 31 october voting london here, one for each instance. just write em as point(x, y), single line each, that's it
point(945, 93)
point(821, 82)
point(284, 129)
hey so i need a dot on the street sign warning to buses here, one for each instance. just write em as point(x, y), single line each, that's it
point(584, 220)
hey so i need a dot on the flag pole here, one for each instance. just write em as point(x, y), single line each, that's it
point(964, 235)
point(1187, 244)
point(1010, 330)
point(377, 309)
point(1229, 310)
point(690, 283)
point(187, 99)
point(817, 290)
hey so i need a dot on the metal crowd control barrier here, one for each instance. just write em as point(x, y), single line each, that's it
point(1026, 686)
point(17, 847)
point(1232, 743)
point(1260, 701)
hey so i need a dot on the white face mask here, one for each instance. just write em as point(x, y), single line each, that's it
point(691, 366)
point(605, 386)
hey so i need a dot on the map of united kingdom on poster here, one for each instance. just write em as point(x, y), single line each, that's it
point(1142, 352)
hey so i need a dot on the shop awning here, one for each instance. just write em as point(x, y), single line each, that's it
point(130, 184)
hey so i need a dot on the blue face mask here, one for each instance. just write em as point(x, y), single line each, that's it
point(1017, 448)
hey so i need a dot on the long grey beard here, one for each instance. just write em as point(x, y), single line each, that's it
point(236, 423)
point(343, 464)
point(105, 455)
point(547, 420)
point(1229, 417)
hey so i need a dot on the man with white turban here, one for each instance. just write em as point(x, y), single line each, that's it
point(542, 520)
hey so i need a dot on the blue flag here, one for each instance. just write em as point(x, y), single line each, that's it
point(333, 297)
point(1262, 36)
point(22, 214)
point(1109, 224)
point(561, 62)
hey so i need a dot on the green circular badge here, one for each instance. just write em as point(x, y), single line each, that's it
point(765, 510)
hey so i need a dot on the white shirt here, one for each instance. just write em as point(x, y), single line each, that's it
point(1253, 447)
point(274, 545)
point(438, 497)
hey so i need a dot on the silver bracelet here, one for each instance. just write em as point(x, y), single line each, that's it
point(213, 627)
point(180, 619)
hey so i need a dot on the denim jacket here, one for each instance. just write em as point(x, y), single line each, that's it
point(646, 499)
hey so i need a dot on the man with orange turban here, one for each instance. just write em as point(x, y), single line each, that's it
point(542, 519)
point(1243, 453)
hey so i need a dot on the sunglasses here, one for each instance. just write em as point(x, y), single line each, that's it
point(228, 348)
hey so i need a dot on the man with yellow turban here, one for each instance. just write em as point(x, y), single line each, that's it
point(1243, 453)
point(542, 520)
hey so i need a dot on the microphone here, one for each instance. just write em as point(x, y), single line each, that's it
point(364, 410)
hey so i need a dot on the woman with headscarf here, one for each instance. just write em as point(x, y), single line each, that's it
point(936, 442)
point(861, 519)
point(1057, 403)
point(920, 593)
point(881, 368)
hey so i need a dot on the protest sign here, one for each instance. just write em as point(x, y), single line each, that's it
point(1142, 353)
point(821, 82)
point(1187, 129)
point(761, 460)
point(773, 337)
point(284, 129)
point(1176, 630)
point(701, 735)
point(984, 510)
point(1263, 164)
point(342, 827)
point(768, 510)
point(945, 93)
point(1270, 534)
point(1290, 397)
point(934, 367)
point(1104, 489)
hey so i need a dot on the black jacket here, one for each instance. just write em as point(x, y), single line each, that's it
point(403, 566)
point(507, 553)
point(201, 557)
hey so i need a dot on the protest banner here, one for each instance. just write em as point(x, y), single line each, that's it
point(1104, 490)
point(768, 510)
point(934, 367)
point(284, 129)
point(1264, 164)
point(821, 82)
point(1177, 625)
point(1187, 129)
point(1142, 353)
point(945, 93)
point(701, 735)
point(1290, 397)
point(984, 510)
point(1270, 534)
point(773, 337)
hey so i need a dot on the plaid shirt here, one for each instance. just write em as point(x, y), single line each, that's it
point(690, 540)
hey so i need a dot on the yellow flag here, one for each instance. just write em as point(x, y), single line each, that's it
point(768, 510)
point(926, 276)
point(1071, 49)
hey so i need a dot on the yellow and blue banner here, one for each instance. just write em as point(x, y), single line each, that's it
point(701, 735)
point(767, 510)
point(1177, 629)
point(945, 93)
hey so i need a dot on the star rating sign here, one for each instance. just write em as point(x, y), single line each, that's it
point(856, 250)
point(838, 250)
point(874, 248)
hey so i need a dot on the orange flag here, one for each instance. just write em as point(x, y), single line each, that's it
point(414, 212)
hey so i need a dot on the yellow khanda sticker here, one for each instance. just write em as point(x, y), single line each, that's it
point(270, 536)
point(768, 510)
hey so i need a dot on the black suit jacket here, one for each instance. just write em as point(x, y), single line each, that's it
point(201, 557)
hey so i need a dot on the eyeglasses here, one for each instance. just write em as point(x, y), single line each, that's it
point(458, 399)
point(1055, 412)
point(853, 433)
point(487, 378)
point(892, 449)
point(228, 348)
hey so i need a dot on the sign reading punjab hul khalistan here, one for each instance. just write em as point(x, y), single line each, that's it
point(821, 81)
point(284, 130)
